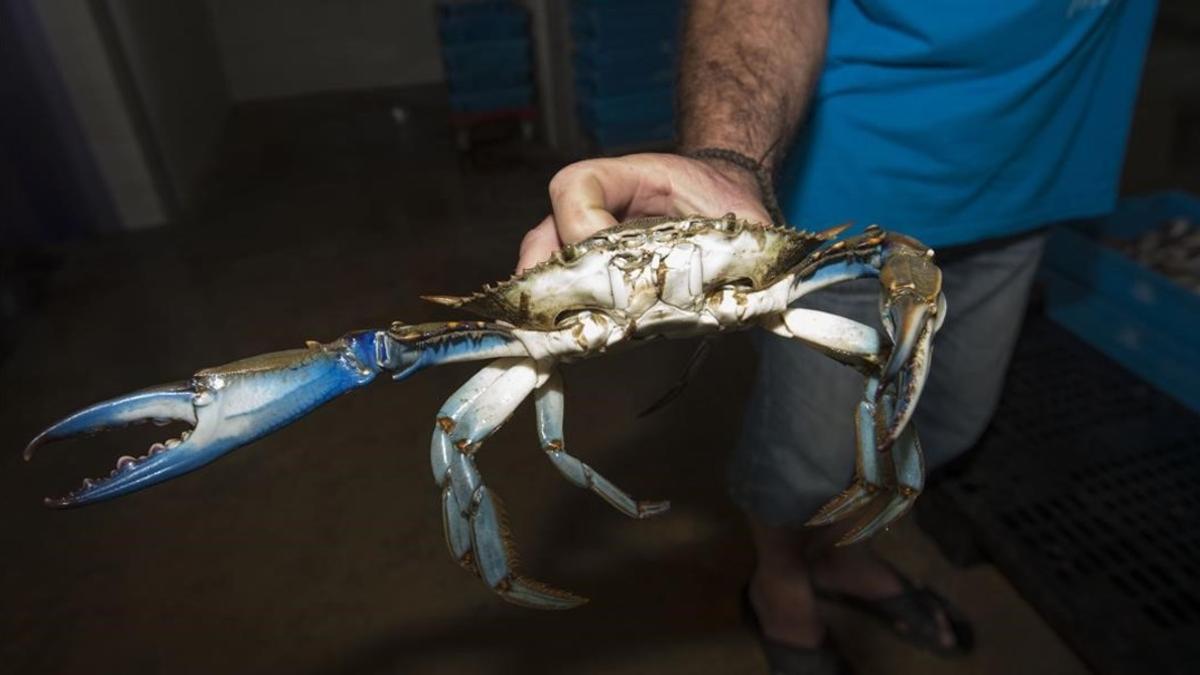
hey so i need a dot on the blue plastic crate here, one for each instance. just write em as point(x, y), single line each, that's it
point(590, 86)
point(634, 55)
point(458, 10)
point(466, 31)
point(485, 101)
point(480, 67)
point(608, 137)
point(486, 56)
point(611, 18)
point(488, 77)
point(651, 29)
point(464, 22)
point(1133, 314)
point(613, 74)
point(644, 108)
point(620, 5)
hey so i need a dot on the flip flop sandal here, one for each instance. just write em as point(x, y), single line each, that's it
point(788, 660)
point(912, 615)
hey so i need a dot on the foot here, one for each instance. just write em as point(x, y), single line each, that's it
point(787, 650)
point(856, 573)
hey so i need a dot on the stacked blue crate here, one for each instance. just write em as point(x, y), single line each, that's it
point(485, 50)
point(1135, 315)
point(625, 55)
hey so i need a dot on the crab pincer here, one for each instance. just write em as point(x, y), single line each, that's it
point(912, 309)
point(226, 406)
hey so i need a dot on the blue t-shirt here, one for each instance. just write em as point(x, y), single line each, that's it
point(960, 120)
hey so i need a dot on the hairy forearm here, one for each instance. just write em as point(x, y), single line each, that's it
point(747, 70)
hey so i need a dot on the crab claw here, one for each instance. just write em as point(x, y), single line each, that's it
point(163, 403)
point(228, 406)
point(913, 309)
point(908, 317)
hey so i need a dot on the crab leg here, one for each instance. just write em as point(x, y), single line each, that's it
point(231, 405)
point(476, 531)
point(859, 346)
point(871, 483)
point(912, 307)
point(869, 478)
point(908, 463)
point(549, 405)
point(846, 340)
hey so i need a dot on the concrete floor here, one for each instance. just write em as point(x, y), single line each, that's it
point(319, 549)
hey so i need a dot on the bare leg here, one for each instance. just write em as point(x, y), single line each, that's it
point(781, 589)
point(792, 561)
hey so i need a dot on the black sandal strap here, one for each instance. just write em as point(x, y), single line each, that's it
point(911, 615)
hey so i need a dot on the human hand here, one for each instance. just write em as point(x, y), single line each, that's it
point(594, 194)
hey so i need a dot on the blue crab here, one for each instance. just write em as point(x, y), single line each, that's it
point(644, 279)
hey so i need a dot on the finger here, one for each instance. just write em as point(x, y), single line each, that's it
point(538, 244)
point(596, 194)
point(592, 195)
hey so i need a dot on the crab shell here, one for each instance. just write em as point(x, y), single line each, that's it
point(626, 270)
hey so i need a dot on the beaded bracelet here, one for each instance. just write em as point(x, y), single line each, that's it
point(766, 186)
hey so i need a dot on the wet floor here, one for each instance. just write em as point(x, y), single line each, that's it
point(319, 549)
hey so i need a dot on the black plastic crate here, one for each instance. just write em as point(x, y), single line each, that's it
point(1086, 494)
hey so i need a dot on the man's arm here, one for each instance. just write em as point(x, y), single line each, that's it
point(747, 69)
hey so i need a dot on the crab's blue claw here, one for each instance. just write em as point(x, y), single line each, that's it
point(227, 407)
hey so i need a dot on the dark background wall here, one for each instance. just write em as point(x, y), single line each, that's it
point(168, 53)
point(271, 49)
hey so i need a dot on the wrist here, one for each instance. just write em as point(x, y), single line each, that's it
point(744, 174)
point(740, 177)
point(697, 147)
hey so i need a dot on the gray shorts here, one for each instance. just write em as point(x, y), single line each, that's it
point(796, 449)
